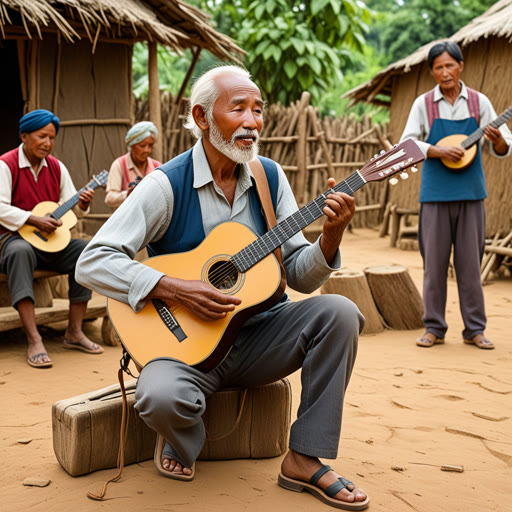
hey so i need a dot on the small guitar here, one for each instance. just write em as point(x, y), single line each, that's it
point(234, 261)
point(59, 239)
point(469, 144)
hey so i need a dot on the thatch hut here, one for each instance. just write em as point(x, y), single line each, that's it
point(74, 57)
point(487, 48)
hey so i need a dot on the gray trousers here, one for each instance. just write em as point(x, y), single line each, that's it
point(318, 334)
point(441, 225)
point(20, 259)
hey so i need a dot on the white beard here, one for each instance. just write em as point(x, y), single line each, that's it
point(229, 149)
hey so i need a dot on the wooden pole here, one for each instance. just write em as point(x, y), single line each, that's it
point(195, 58)
point(302, 147)
point(154, 98)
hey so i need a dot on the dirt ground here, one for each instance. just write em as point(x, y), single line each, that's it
point(408, 411)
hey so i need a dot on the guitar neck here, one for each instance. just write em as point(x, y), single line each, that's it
point(478, 134)
point(284, 230)
point(72, 201)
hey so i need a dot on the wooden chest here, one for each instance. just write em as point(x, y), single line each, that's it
point(86, 427)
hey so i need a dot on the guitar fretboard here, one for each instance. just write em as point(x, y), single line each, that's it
point(72, 201)
point(478, 134)
point(279, 234)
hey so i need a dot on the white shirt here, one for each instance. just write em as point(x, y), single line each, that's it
point(107, 266)
point(418, 128)
point(12, 217)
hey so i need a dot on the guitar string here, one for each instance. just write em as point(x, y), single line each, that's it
point(224, 272)
point(228, 270)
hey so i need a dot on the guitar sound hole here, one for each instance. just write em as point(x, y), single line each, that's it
point(223, 275)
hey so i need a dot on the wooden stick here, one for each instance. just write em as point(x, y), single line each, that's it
point(155, 114)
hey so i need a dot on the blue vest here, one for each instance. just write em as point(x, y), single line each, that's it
point(186, 230)
point(440, 184)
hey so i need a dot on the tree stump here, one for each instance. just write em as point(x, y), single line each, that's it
point(395, 295)
point(353, 285)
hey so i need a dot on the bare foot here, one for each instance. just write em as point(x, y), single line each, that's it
point(303, 467)
point(37, 348)
point(173, 466)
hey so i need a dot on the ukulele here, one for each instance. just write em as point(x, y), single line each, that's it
point(58, 239)
point(235, 261)
point(469, 144)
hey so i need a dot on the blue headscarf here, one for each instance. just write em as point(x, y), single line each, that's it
point(38, 119)
point(138, 132)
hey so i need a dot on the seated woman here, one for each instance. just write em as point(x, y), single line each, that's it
point(135, 164)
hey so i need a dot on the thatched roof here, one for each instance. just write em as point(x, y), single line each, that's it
point(496, 21)
point(173, 23)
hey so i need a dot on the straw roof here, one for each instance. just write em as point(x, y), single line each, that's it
point(496, 21)
point(173, 23)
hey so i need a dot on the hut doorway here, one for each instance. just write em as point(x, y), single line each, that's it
point(10, 94)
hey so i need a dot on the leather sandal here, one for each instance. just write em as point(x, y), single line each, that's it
point(424, 341)
point(324, 495)
point(159, 449)
point(481, 342)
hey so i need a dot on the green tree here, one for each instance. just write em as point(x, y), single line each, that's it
point(401, 26)
point(293, 45)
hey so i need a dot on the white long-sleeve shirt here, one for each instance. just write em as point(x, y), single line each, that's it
point(107, 266)
point(418, 129)
point(11, 217)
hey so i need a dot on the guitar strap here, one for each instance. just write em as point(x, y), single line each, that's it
point(270, 215)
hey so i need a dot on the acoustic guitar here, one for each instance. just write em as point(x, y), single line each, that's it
point(469, 144)
point(235, 261)
point(59, 239)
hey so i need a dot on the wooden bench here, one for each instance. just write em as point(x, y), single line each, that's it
point(398, 224)
point(49, 309)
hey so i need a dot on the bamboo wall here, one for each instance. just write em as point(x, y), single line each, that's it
point(309, 149)
point(488, 69)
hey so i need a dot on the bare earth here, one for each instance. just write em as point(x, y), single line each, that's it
point(408, 411)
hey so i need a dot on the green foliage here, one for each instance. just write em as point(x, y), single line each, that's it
point(399, 27)
point(172, 69)
point(364, 68)
point(291, 45)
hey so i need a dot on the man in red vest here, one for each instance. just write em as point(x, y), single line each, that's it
point(28, 176)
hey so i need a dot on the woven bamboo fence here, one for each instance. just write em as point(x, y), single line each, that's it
point(310, 149)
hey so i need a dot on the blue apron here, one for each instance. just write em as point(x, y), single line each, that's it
point(441, 184)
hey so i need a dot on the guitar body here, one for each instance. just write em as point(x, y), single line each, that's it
point(469, 154)
point(145, 335)
point(49, 242)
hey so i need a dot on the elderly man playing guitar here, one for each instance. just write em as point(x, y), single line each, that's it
point(171, 211)
point(29, 175)
point(453, 191)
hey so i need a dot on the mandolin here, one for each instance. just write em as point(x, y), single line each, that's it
point(59, 239)
point(237, 262)
point(469, 144)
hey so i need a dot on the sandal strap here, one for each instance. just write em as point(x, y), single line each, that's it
point(319, 474)
point(346, 482)
point(334, 488)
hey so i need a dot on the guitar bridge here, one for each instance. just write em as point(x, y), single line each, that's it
point(169, 319)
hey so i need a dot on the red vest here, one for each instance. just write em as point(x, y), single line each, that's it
point(26, 191)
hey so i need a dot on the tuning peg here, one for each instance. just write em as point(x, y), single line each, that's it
point(393, 181)
point(404, 175)
point(382, 152)
point(414, 169)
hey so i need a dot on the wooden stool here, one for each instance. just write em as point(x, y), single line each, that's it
point(86, 427)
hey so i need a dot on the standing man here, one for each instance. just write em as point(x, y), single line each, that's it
point(452, 202)
point(28, 176)
point(172, 210)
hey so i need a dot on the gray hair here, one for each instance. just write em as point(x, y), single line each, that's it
point(205, 93)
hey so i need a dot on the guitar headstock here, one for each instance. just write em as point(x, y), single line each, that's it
point(99, 180)
point(397, 159)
